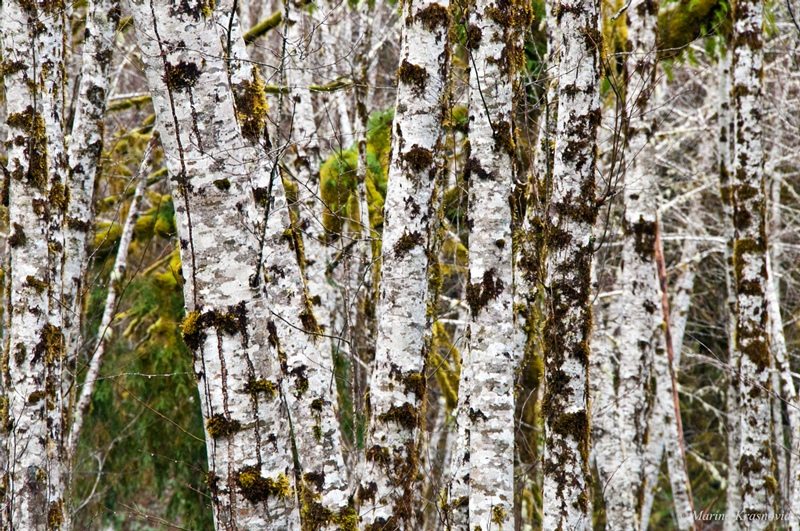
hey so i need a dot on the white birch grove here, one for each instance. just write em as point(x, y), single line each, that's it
point(397, 387)
point(360, 266)
point(570, 242)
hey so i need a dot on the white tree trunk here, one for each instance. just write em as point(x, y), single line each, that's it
point(32, 40)
point(757, 484)
point(733, 503)
point(86, 146)
point(663, 435)
point(397, 387)
point(572, 215)
point(228, 325)
point(639, 319)
point(486, 394)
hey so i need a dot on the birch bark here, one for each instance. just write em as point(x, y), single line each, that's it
point(397, 387)
point(486, 391)
point(228, 325)
point(86, 146)
point(640, 321)
point(757, 485)
point(33, 50)
point(573, 212)
point(733, 503)
point(308, 365)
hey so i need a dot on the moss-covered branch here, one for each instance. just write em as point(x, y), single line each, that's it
point(261, 29)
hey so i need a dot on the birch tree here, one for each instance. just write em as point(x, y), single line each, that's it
point(570, 242)
point(33, 451)
point(397, 387)
point(639, 327)
point(486, 387)
point(228, 325)
point(756, 483)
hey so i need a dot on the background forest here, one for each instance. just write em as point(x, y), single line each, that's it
point(141, 459)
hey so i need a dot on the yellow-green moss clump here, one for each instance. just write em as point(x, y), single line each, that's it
point(254, 387)
point(251, 107)
point(432, 16)
point(192, 332)
point(35, 140)
point(680, 23)
point(413, 75)
point(498, 515)
point(181, 76)
point(479, 295)
point(219, 426)
point(195, 324)
point(38, 285)
point(256, 488)
point(55, 515)
point(17, 238)
point(405, 416)
point(406, 243)
point(50, 346)
point(315, 516)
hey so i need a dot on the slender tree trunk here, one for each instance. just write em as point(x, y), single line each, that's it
point(305, 162)
point(603, 369)
point(664, 438)
point(116, 281)
point(397, 387)
point(572, 215)
point(85, 149)
point(33, 51)
point(86, 146)
point(640, 323)
point(308, 367)
point(757, 484)
point(792, 407)
point(486, 391)
point(670, 409)
point(733, 502)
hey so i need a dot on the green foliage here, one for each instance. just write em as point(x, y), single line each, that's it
point(127, 421)
point(680, 23)
point(339, 177)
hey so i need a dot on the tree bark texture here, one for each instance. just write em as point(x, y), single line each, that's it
point(33, 438)
point(571, 218)
point(757, 484)
point(494, 347)
point(397, 387)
